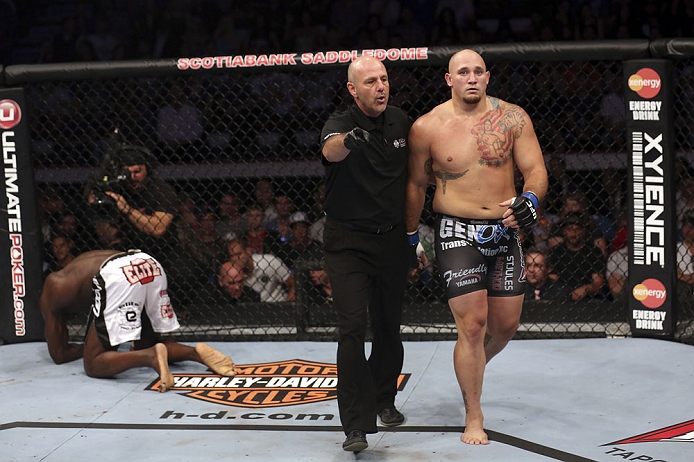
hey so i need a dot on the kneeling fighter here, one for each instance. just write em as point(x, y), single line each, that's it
point(127, 292)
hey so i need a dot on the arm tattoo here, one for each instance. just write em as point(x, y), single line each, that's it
point(446, 176)
point(487, 339)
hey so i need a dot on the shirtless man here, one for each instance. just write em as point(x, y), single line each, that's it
point(127, 293)
point(469, 145)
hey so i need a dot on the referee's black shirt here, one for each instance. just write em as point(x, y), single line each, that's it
point(367, 188)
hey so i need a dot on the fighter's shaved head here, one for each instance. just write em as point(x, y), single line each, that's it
point(465, 55)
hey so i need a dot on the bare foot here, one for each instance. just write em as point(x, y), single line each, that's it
point(474, 433)
point(166, 380)
point(216, 360)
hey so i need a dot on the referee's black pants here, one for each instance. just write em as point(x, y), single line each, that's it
point(368, 274)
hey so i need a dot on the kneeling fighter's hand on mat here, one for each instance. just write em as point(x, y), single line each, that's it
point(523, 209)
point(356, 138)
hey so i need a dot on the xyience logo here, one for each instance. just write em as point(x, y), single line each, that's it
point(651, 293)
point(683, 432)
point(10, 114)
point(283, 383)
point(646, 82)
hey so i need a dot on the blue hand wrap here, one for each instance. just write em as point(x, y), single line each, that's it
point(533, 198)
point(413, 238)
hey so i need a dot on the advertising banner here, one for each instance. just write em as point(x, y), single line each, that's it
point(652, 222)
point(20, 235)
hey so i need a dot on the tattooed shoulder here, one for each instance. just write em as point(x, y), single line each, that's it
point(495, 102)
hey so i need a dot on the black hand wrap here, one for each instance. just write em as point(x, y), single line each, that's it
point(356, 138)
point(524, 209)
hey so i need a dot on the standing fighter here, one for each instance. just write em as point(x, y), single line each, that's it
point(470, 144)
point(365, 159)
point(127, 292)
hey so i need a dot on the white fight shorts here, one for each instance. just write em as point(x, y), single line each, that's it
point(127, 285)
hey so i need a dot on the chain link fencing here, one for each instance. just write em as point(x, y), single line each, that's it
point(236, 154)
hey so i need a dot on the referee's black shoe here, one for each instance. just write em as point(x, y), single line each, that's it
point(391, 417)
point(355, 441)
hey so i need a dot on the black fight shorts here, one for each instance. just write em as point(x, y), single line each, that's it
point(474, 255)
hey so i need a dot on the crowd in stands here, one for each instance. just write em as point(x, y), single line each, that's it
point(105, 30)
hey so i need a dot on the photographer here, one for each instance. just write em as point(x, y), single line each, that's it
point(146, 203)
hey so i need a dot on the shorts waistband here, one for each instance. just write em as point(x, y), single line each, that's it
point(471, 221)
point(118, 255)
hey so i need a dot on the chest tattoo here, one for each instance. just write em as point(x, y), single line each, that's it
point(495, 134)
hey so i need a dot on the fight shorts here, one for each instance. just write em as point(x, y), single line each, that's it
point(126, 286)
point(474, 255)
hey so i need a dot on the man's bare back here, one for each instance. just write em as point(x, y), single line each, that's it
point(66, 293)
point(478, 148)
point(70, 289)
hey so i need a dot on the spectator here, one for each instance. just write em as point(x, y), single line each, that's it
point(445, 31)
point(264, 194)
point(61, 252)
point(179, 123)
point(540, 286)
point(258, 237)
point(301, 246)
point(412, 32)
point(576, 202)
point(541, 231)
point(463, 11)
point(318, 213)
point(108, 233)
point(578, 262)
point(204, 245)
point(65, 43)
point(69, 225)
point(616, 272)
point(102, 40)
point(266, 274)
point(232, 281)
point(51, 208)
point(231, 223)
point(279, 226)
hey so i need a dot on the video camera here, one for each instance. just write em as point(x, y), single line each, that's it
point(113, 174)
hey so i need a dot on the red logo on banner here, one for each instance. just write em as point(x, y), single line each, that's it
point(10, 114)
point(646, 82)
point(651, 293)
point(683, 432)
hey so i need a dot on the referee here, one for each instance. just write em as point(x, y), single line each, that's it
point(365, 158)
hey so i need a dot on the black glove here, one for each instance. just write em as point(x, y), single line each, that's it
point(357, 138)
point(525, 209)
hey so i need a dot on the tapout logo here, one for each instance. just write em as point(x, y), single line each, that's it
point(646, 82)
point(650, 292)
point(10, 114)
